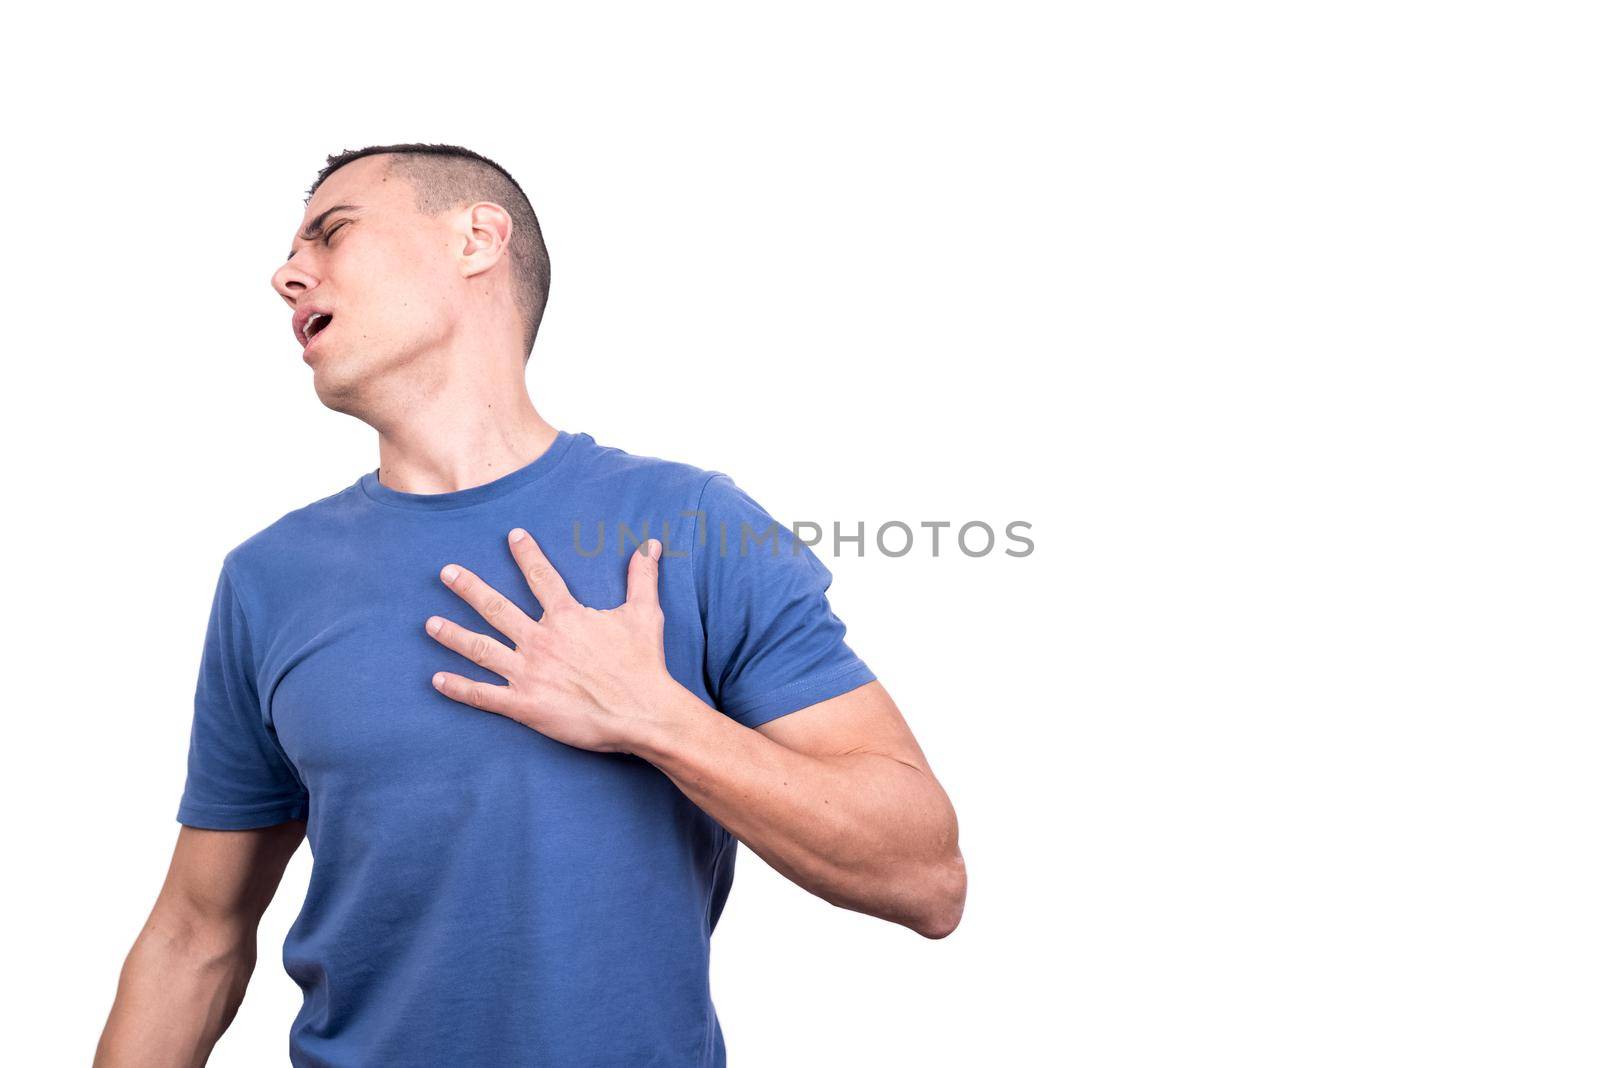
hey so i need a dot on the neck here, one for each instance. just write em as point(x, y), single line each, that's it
point(447, 443)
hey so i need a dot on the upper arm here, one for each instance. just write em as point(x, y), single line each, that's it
point(773, 643)
point(864, 720)
point(222, 881)
point(239, 777)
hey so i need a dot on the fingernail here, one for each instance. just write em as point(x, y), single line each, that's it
point(434, 624)
point(449, 574)
point(438, 680)
point(655, 549)
point(517, 535)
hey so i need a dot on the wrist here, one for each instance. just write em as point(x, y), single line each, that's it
point(662, 716)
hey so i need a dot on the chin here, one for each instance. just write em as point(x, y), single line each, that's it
point(336, 387)
point(356, 384)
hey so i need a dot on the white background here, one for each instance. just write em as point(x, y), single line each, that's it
point(1276, 321)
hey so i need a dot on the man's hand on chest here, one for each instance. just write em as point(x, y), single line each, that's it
point(586, 677)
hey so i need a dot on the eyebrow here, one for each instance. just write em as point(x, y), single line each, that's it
point(313, 229)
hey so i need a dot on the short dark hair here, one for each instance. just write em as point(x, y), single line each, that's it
point(447, 176)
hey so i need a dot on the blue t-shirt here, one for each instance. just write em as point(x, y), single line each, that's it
point(482, 894)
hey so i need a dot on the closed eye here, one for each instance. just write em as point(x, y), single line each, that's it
point(327, 238)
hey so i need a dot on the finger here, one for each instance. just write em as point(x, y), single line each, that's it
point(543, 579)
point(644, 574)
point(496, 611)
point(478, 648)
point(480, 695)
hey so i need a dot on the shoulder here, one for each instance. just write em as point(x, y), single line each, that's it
point(304, 535)
point(611, 470)
point(710, 500)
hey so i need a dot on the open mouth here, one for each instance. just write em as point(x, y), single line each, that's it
point(316, 325)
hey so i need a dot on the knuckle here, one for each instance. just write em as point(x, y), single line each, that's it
point(494, 606)
point(478, 650)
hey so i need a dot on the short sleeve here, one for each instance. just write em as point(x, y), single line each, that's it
point(773, 643)
point(238, 776)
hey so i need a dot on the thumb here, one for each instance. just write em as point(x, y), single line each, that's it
point(644, 572)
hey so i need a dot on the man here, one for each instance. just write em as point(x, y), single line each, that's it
point(522, 692)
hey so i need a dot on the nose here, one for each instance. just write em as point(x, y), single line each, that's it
point(291, 282)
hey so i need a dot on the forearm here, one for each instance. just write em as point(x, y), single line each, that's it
point(863, 831)
point(176, 995)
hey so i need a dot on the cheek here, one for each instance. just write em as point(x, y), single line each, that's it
point(396, 294)
point(422, 307)
point(390, 301)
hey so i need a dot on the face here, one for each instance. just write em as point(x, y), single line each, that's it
point(383, 275)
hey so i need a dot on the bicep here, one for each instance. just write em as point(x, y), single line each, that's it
point(864, 720)
point(227, 878)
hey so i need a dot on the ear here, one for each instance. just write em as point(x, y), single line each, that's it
point(486, 239)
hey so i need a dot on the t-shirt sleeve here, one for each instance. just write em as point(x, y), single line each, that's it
point(773, 644)
point(238, 776)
